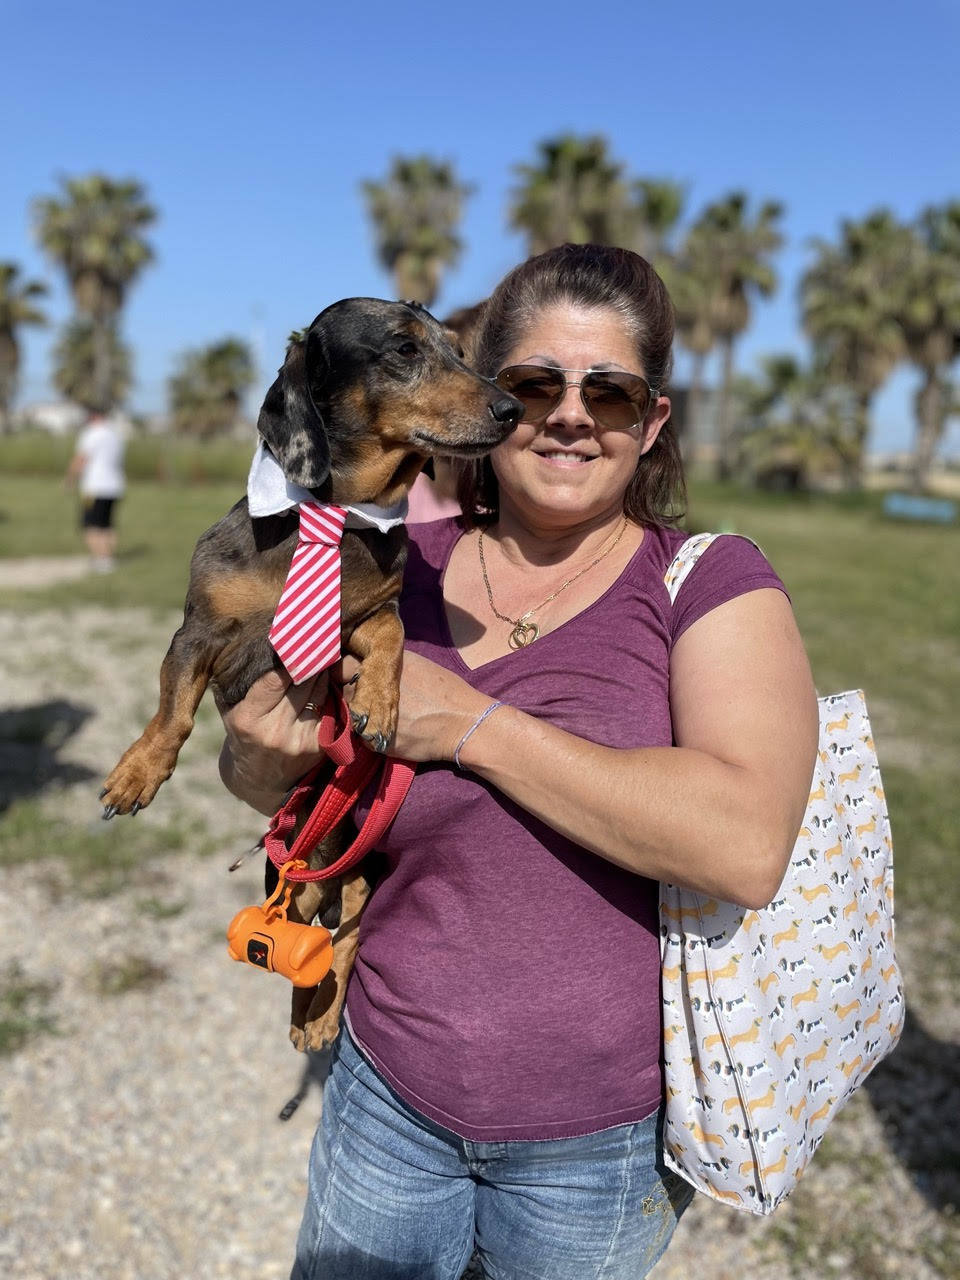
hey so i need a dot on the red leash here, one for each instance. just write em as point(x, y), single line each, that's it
point(356, 765)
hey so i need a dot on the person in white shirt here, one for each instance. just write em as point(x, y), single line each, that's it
point(97, 470)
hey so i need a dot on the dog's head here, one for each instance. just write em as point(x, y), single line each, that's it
point(367, 393)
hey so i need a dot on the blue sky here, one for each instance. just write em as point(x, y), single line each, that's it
point(252, 126)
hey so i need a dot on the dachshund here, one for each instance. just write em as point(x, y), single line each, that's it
point(365, 395)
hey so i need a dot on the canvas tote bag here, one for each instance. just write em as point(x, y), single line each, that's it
point(772, 1018)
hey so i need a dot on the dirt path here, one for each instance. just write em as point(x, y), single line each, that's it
point(139, 1140)
point(43, 571)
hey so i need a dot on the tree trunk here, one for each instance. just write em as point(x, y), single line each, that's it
point(415, 280)
point(929, 426)
point(102, 380)
point(724, 459)
point(9, 367)
point(692, 423)
point(853, 460)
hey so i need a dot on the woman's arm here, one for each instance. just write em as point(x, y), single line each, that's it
point(718, 813)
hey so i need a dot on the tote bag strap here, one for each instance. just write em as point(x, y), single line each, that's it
point(687, 556)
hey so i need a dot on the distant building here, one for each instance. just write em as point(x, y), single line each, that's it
point(59, 417)
point(154, 424)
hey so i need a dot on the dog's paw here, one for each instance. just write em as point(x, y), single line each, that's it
point(320, 1033)
point(136, 779)
point(374, 717)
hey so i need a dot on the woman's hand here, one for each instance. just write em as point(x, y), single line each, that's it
point(271, 739)
point(272, 734)
point(436, 708)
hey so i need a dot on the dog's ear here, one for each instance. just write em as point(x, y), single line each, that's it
point(290, 421)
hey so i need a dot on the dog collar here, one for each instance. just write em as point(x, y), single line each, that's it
point(269, 492)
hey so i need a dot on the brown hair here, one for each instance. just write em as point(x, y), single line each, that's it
point(590, 276)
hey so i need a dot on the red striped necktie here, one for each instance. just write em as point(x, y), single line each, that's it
point(306, 626)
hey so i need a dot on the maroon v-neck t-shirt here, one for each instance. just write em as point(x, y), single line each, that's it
point(507, 983)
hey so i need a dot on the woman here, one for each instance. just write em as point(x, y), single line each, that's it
point(499, 1084)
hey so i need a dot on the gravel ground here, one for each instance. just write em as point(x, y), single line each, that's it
point(140, 1139)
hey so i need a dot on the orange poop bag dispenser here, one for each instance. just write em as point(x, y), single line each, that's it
point(263, 936)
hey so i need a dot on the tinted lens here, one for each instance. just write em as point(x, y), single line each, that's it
point(537, 388)
point(615, 400)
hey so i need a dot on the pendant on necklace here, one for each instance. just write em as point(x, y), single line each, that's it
point(523, 633)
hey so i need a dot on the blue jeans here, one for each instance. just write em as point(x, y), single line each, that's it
point(393, 1196)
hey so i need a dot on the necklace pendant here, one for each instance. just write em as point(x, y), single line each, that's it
point(523, 633)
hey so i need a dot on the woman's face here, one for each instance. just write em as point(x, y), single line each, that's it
point(568, 469)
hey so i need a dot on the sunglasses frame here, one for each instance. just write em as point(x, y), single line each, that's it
point(653, 393)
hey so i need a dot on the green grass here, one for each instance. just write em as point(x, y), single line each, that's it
point(128, 973)
point(22, 1005)
point(158, 909)
point(157, 526)
point(93, 858)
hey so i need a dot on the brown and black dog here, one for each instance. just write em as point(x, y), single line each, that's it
point(364, 396)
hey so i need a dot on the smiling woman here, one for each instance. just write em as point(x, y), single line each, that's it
point(611, 307)
point(583, 738)
point(564, 462)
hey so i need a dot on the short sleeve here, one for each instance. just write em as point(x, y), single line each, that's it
point(730, 567)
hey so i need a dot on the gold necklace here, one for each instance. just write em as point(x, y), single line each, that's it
point(524, 631)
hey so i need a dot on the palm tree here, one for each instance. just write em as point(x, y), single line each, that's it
point(16, 310)
point(794, 422)
point(94, 232)
point(416, 214)
point(206, 391)
point(850, 296)
point(733, 251)
point(91, 366)
point(574, 193)
point(658, 205)
point(929, 316)
point(687, 275)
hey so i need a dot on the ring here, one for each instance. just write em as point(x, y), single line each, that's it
point(312, 706)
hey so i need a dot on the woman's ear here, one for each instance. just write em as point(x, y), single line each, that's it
point(654, 421)
point(290, 421)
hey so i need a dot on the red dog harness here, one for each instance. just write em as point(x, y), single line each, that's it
point(263, 936)
point(356, 766)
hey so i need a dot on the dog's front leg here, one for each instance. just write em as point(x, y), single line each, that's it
point(148, 763)
point(378, 643)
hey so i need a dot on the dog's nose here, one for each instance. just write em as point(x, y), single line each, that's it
point(507, 409)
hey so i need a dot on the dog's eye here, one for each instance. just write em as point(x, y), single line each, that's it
point(409, 350)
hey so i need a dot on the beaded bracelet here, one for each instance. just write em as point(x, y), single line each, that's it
point(473, 728)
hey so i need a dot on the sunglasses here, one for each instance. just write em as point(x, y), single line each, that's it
point(613, 399)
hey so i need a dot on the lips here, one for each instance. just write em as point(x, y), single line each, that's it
point(563, 455)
